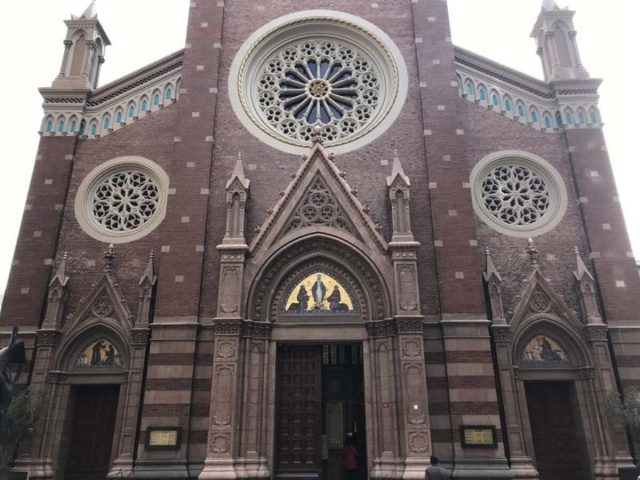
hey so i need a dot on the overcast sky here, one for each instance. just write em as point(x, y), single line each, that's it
point(142, 31)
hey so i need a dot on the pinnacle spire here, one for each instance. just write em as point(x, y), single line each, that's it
point(549, 5)
point(91, 12)
point(149, 275)
point(581, 269)
point(490, 269)
point(397, 171)
point(60, 273)
point(238, 173)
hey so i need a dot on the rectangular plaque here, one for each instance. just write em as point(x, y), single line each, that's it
point(478, 436)
point(163, 438)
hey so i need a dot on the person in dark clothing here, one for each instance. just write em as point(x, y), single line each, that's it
point(350, 459)
point(435, 471)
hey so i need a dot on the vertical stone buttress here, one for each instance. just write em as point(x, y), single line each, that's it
point(413, 410)
point(227, 401)
point(171, 365)
point(465, 328)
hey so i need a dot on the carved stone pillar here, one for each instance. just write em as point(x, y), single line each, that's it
point(139, 343)
point(252, 460)
point(381, 371)
point(225, 399)
point(38, 461)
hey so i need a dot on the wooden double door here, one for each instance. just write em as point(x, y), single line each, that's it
point(93, 410)
point(559, 443)
point(320, 403)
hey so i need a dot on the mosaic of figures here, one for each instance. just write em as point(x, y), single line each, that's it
point(542, 349)
point(99, 353)
point(318, 293)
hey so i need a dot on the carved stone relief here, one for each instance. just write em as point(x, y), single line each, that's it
point(418, 443)
point(220, 443)
point(222, 395)
point(408, 289)
point(226, 349)
point(413, 380)
point(102, 307)
point(229, 295)
point(318, 207)
point(539, 302)
point(411, 348)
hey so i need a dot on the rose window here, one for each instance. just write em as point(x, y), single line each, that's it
point(515, 195)
point(323, 84)
point(125, 201)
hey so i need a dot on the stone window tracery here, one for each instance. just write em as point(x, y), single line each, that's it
point(125, 201)
point(317, 69)
point(319, 83)
point(518, 194)
point(122, 200)
point(515, 195)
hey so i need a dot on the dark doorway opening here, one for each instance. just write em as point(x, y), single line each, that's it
point(320, 402)
point(93, 409)
point(558, 440)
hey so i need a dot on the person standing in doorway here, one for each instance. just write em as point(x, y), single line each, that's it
point(435, 471)
point(350, 459)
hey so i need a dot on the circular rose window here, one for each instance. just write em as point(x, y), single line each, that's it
point(518, 194)
point(122, 200)
point(318, 70)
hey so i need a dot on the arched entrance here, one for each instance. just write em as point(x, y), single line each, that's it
point(320, 358)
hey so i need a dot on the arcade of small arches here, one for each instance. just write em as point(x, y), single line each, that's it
point(114, 115)
point(539, 115)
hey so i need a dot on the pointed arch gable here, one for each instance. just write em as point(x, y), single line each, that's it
point(364, 232)
point(540, 299)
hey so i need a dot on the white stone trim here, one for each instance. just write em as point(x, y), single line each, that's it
point(365, 35)
point(84, 216)
point(553, 179)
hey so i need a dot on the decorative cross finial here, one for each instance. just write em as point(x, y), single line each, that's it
point(151, 254)
point(316, 136)
point(533, 255)
point(109, 257)
point(240, 155)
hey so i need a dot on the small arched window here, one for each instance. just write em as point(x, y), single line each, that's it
point(482, 95)
point(73, 127)
point(534, 116)
point(94, 129)
point(61, 126)
point(132, 111)
point(569, 118)
point(143, 108)
point(169, 94)
point(594, 117)
point(494, 100)
point(106, 124)
point(507, 105)
point(156, 99)
point(558, 120)
point(83, 127)
point(520, 111)
point(547, 122)
point(581, 119)
point(49, 126)
point(469, 89)
point(119, 117)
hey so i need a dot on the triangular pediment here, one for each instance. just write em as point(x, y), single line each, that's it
point(104, 302)
point(539, 298)
point(318, 198)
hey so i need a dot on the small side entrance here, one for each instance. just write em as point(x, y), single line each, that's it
point(556, 429)
point(93, 409)
point(320, 395)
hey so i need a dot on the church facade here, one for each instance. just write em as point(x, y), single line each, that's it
point(322, 223)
